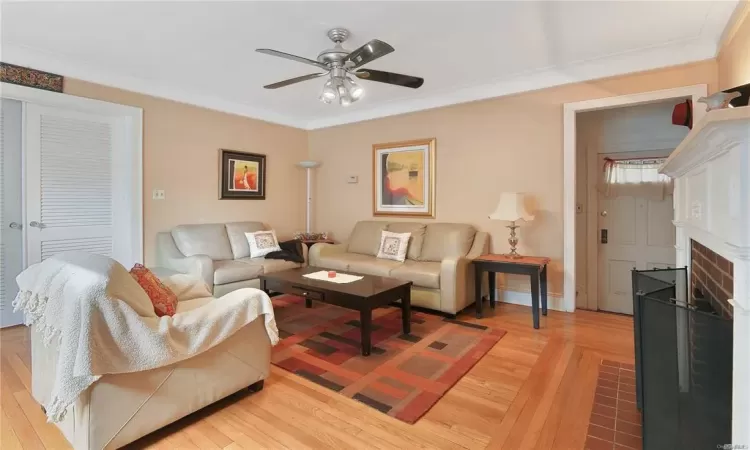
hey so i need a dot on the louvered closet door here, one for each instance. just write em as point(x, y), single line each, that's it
point(69, 182)
point(11, 213)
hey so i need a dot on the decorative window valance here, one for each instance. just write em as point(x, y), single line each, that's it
point(636, 178)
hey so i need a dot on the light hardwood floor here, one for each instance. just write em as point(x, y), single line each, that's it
point(534, 389)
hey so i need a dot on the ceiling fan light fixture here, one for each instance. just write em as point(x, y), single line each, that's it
point(354, 89)
point(329, 93)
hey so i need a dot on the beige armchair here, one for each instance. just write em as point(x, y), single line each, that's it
point(438, 260)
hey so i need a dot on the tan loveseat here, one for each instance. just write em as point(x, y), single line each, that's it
point(218, 253)
point(438, 260)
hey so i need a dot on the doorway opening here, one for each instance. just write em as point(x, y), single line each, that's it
point(581, 290)
point(624, 207)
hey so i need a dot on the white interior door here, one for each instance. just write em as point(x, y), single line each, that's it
point(640, 235)
point(11, 208)
point(70, 182)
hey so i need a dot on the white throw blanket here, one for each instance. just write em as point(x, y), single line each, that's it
point(105, 323)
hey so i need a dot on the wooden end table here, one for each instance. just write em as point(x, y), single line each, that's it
point(533, 266)
point(309, 243)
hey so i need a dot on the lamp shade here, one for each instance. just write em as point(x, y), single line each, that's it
point(511, 207)
point(308, 164)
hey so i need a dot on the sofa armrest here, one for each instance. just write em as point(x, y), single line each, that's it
point(321, 249)
point(457, 288)
point(169, 256)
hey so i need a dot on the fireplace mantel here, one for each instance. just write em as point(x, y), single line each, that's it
point(711, 171)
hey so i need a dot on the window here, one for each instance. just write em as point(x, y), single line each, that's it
point(636, 178)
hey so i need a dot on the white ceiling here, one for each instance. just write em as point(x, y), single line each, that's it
point(203, 53)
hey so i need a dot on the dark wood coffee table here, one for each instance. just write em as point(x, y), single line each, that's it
point(365, 295)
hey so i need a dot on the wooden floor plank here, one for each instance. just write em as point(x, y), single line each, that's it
point(533, 389)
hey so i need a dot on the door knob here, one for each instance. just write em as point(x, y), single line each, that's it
point(15, 225)
point(36, 224)
point(603, 213)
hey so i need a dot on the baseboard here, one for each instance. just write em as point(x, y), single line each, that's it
point(524, 298)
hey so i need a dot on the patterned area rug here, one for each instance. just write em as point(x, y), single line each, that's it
point(403, 377)
point(615, 421)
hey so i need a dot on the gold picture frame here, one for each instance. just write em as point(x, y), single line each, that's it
point(403, 178)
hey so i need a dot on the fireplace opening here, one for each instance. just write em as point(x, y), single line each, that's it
point(711, 280)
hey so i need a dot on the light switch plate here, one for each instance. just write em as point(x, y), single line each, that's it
point(353, 179)
point(158, 194)
point(579, 208)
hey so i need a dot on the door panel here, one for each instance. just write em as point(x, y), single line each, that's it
point(11, 209)
point(660, 213)
point(640, 235)
point(70, 182)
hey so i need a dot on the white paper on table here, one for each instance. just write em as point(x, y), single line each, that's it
point(340, 278)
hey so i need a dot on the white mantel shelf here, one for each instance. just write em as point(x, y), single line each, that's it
point(712, 135)
point(711, 171)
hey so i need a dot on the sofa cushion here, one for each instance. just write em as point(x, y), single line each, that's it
point(373, 266)
point(340, 261)
point(365, 238)
point(446, 240)
point(237, 239)
point(231, 271)
point(270, 265)
point(416, 240)
point(421, 273)
point(205, 239)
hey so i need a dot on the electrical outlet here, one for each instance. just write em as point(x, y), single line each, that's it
point(158, 194)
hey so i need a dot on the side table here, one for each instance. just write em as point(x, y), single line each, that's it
point(533, 266)
point(310, 243)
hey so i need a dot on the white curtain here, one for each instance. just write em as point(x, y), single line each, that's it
point(636, 178)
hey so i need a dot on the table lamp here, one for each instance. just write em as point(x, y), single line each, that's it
point(512, 208)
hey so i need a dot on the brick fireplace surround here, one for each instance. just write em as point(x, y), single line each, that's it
point(713, 275)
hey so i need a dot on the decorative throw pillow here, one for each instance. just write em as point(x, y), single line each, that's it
point(262, 243)
point(163, 299)
point(393, 245)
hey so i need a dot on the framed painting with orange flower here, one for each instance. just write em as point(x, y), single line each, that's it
point(243, 175)
point(404, 178)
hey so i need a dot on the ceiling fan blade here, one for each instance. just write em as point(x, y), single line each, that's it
point(312, 62)
point(390, 78)
point(294, 80)
point(368, 53)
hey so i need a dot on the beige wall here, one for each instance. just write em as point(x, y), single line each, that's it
point(511, 143)
point(734, 56)
point(181, 155)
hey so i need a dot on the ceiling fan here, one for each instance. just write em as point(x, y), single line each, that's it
point(339, 63)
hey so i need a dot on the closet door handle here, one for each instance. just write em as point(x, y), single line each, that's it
point(15, 225)
point(36, 224)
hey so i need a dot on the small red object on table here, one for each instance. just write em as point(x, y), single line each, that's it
point(331, 274)
point(533, 266)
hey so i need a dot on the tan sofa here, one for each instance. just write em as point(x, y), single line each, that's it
point(218, 253)
point(120, 408)
point(438, 260)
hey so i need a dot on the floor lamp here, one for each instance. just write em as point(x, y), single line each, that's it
point(308, 166)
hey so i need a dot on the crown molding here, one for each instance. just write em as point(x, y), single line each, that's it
point(673, 54)
point(24, 56)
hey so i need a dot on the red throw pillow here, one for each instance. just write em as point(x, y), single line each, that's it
point(163, 299)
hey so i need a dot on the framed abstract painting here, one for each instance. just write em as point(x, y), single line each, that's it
point(404, 178)
point(243, 175)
